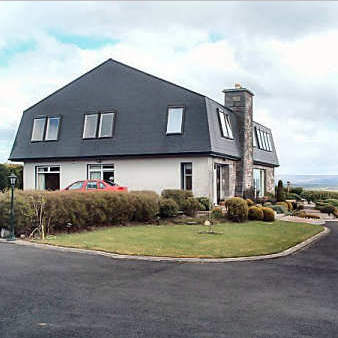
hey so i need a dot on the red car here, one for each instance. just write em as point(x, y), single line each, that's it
point(95, 185)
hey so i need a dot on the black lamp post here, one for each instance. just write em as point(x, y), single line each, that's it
point(12, 179)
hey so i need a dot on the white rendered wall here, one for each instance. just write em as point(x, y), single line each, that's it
point(137, 174)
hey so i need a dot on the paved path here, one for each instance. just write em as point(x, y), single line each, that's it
point(47, 293)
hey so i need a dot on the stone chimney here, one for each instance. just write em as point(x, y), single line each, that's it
point(240, 100)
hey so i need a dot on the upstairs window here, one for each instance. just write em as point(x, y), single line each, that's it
point(264, 140)
point(52, 130)
point(45, 129)
point(175, 119)
point(38, 129)
point(254, 139)
point(225, 124)
point(98, 125)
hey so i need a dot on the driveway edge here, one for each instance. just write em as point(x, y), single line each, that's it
point(284, 253)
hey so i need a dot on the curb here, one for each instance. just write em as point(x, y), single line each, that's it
point(284, 253)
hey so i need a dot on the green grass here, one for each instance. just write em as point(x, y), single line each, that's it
point(233, 240)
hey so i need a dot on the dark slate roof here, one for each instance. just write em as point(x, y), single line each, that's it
point(141, 101)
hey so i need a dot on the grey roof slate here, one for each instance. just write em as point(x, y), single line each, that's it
point(141, 101)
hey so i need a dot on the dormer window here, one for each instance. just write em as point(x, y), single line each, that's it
point(98, 125)
point(264, 140)
point(225, 124)
point(175, 120)
point(45, 129)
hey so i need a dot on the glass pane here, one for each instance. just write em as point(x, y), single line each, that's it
point(229, 126)
point(41, 182)
point(54, 169)
point(175, 116)
point(188, 168)
point(90, 126)
point(262, 187)
point(269, 141)
point(108, 176)
point(223, 124)
point(92, 185)
point(257, 180)
point(52, 128)
point(106, 125)
point(77, 185)
point(108, 166)
point(266, 141)
point(94, 166)
point(38, 129)
point(188, 183)
point(254, 141)
point(95, 175)
point(260, 139)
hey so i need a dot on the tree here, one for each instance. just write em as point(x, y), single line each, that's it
point(4, 172)
point(280, 192)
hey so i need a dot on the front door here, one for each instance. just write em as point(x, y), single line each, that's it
point(222, 182)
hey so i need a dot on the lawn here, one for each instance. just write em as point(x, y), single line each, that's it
point(232, 240)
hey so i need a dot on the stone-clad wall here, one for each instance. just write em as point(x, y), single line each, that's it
point(240, 101)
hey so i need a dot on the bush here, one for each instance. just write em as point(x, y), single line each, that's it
point(280, 192)
point(328, 209)
point(250, 202)
point(191, 206)
point(255, 213)
point(168, 207)
point(333, 202)
point(317, 195)
point(217, 213)
point(80, 209)
point(296, 190)
point(179, 196)
point(285, 204)
point(293, 196)
point(269, 214)
point(205, 202)
point(290, 205)
point(237, 209)
point(303, 214)
point(280, 209)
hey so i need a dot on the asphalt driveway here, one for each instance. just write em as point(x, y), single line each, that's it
point(46, 293)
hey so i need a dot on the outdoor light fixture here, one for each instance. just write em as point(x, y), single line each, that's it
point(12, 179)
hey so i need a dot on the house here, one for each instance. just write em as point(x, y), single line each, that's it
point(117, 122)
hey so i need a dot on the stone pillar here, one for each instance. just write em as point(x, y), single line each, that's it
point(240, 100)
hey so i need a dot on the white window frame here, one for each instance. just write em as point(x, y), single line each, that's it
point(85, 125)
point(44, 118)
point(48, 171)
point(185, 175)
point(101, 170)
point(47, 128)
point(225, 124)
point(112, 126)
point(175, 132)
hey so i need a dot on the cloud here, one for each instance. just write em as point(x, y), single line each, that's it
point(283, 51)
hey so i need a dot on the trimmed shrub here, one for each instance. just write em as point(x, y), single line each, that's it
point(284, 204)
point(250, 202)
point(290, 206)
point(255, 213)
point(179, 196)
point(328, 209)
point(303, 214)
point(269, 214)
point(191, 206)
point(237, 209)
point(168, 207)
point(331, 201)
point(217, 213)
point(280, 209)
point(205, 202)
point(280, 195)
point(80, 209)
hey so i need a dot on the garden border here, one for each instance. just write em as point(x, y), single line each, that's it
point(284, 253)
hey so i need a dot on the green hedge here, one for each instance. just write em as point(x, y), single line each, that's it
point(237, 209)
point(179, 196)
point(316, 195)
point(80, 209)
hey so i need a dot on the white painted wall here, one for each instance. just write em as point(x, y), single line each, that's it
point(137, 174)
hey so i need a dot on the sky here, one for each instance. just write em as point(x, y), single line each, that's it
point(285, 52)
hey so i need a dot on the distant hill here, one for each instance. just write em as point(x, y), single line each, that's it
point(317, 182)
